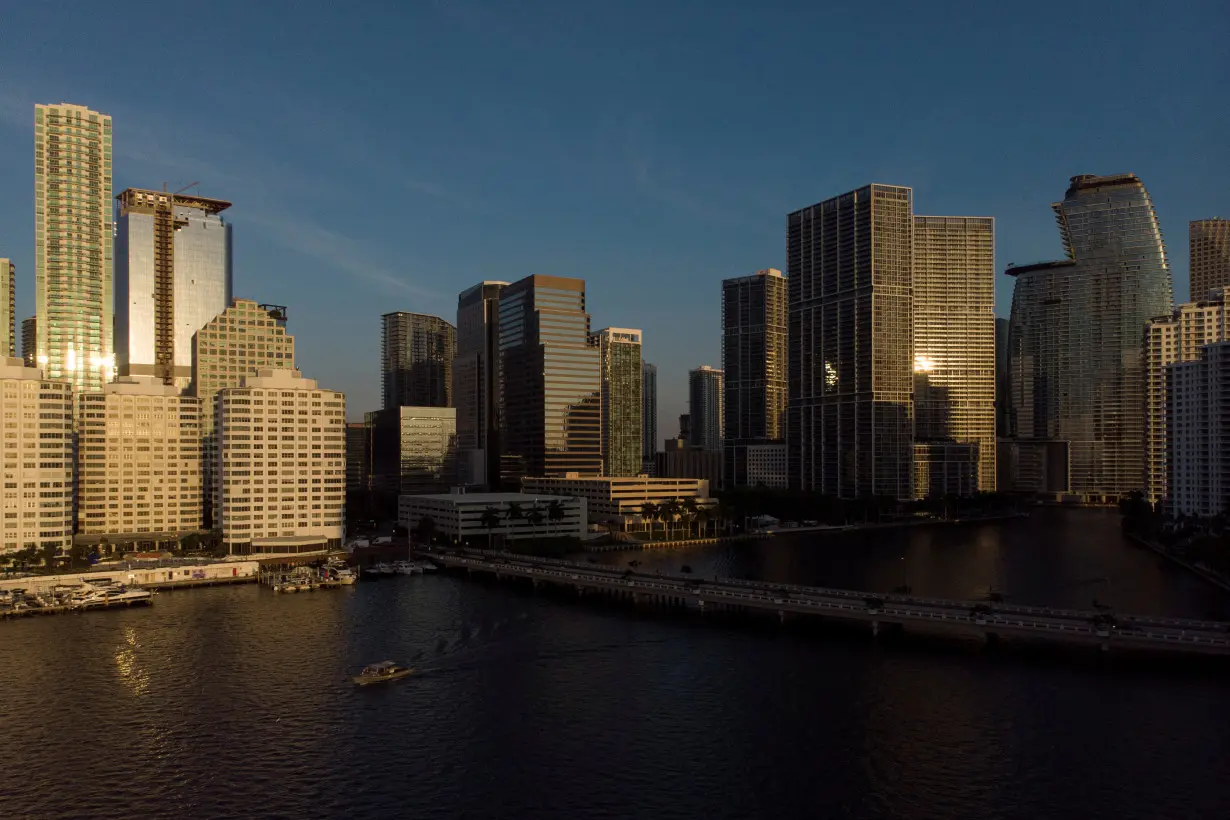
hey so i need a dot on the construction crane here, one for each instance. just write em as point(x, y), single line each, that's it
point(181, 190)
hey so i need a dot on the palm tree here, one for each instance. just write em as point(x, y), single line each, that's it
point(690, 511)
point(671, 509)
point(703, 516)
point(490, 519)
point(649, 511)
point(535, 516)
point(512, 514)
point(425, 529)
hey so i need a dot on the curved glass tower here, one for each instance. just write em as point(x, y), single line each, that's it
point(1078, 328)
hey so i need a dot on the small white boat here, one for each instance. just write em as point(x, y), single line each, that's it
point(379, 672)
point(345, 575)
point(379, 569)
point(403, 567)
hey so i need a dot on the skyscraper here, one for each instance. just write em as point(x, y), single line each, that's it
point(72, 246)
point(706, 397)
point(1077, 329)
point(172, 275)
point(476, 384)
point(1198, 432)
point(1210, 256)
point(29, 340)
point(954, 339)
point(851, 411)
point(1003, 388)
point(413, 450)
point(8, 309)
point(550, 381)
point(754, 354)
point(416, 354)
point(649, 416)
point(622, 399)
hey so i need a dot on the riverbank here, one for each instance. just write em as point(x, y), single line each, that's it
point(1214, 578)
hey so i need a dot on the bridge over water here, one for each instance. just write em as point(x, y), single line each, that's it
point(991, 621)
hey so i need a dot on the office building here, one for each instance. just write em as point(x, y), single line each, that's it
point(476, 384)
point(1179, 337)
point(36, 460)
point(282, 464)
point(620, 501)
point(138, 462)
point(954, 340)
point(8, 309)
point(1077, 326)
point(413, 449)
point(358, 456)
point(416, 355)
point(754, 354)
point(943, 468)
point(1209, 243)
point(764, 465)
point(29, 340)
point(1198, 426)
point(681, 459)
point(238, 342)
point(649, 416)
point(73, 244)
point(706, 399)
point(172, 275)
point(622, 399)
point(550, 381)
point(480, 518)
point(850, 418)
point(1003, 385)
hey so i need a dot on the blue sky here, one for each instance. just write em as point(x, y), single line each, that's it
point(386, 156)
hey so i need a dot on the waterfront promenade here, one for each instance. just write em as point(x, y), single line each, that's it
point(1101, 629)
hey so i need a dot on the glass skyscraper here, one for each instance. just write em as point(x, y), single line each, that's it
point(172, 275)
point(416, 355)
point(476, 384)
point(622, 402)
point(706, 397)
point(73, 244)
point(1077, 333)
point(649, 416)
point(8, 308)
point(1209, 244)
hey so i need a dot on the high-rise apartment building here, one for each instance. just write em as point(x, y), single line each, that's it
point(476, 384)
point(138, 462)
point(1077, 327)
point(36, 460)
point(172, 275)
point(1198, 430)
point(754, 356)
point(1209, 242)
point(1179, 337)
point(954, 340)
point(1003, 385)
point(622, 399)
point(706, 399)
point(73, 244)
point(850, 416)
point(29, 340)
point(358, 455)
point(237, 343)
point(282, 462)
point(8, 308)
point(649, 416)
point(413, 449)
point(550, 381)
point(416, 355)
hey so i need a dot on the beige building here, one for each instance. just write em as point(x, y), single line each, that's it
point(1169, 340)
point(8, 308)
point(1209, 241)
point(472, 518)
point(282, 462)
point(618, 500)
point(954, 342)
point(236, 343)
point(73, 241)
point(138, 462)
point(36, 460)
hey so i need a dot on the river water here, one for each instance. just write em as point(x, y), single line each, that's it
point(235, 702)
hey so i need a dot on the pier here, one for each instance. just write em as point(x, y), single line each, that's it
point(1102, 630)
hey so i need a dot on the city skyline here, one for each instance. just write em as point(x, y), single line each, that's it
point(678, 202)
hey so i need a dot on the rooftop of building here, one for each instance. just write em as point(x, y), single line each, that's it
point(488, 498)
point(130, 197)
point(412, 313)
point(1087, 182)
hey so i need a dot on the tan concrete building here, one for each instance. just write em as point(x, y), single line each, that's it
point(282, 463)
point(1209, 241)
point(236, 343)
point(618, 500)
point(73, 241)
point(1169, 340)
point(36, 460)
point(8, 308)
point(138, 462)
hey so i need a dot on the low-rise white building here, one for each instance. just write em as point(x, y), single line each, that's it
point(619, 500)
point(476, 516)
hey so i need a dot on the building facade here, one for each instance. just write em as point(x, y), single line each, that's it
point(416, 356)
point(358, 456)
point(172, 275)
point(282, 464)
point(36, 461)
point(943, 468)
point(550, 381)
point(1003, 384)
point(1077, 327)
point(706, 407)
point(476, 384)
point(954, 337)
point(1198, 423)
point(413, 449)
point(1209, 245)
point(138, 462)
point(8, 308)
point(466, 518)
point(754, 354)
point(765, 466)
point(622, 399)
point(29, 340)
point(850, 415)
point(620, 500)
point(1179, 337)
point(73, 244)
point(649, 416)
